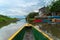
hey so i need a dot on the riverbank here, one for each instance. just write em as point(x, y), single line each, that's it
point(4, 20)
point(53, 29)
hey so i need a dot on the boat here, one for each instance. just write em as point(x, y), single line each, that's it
point(29, 32)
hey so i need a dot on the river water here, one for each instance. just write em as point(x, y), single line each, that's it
point(7, 31)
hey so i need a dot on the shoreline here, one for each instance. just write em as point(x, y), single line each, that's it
point(5, 23)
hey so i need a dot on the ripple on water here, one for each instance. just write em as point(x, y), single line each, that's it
point(8, 30)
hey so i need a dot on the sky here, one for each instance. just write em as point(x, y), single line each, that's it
point(21, 7)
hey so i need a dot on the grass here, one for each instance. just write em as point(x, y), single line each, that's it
point(4, 20)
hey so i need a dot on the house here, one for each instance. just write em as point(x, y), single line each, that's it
point(55, 13)
point(43, 11)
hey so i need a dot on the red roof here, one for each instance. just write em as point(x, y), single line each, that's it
point(37, 20)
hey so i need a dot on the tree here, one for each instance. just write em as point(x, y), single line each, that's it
point(31, 16)
point(55, 7)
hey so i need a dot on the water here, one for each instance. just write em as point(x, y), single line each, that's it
point(7, 31)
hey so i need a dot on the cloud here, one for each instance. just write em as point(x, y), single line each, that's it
point(11, 12)
point(48, 2)
point(20, 7)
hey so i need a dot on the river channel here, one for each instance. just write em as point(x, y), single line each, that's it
point(9, 30)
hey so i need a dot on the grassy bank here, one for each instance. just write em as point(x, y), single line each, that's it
point(4, 20)
point(53, 29)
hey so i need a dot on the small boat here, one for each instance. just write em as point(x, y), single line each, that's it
point(29, 32)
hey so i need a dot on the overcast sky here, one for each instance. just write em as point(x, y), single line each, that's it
point(21, 7)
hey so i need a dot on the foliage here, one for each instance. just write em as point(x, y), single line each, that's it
point(31, 16)
point(55, 7)
point(5, 20)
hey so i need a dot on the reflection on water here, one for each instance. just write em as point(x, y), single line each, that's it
point(8, 30)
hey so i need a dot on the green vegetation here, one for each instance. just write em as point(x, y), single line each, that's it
point(4, 20)
point(55, 6)
point(30, 16)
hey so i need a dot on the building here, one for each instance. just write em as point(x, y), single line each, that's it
point(55, 13)
point(43, 11)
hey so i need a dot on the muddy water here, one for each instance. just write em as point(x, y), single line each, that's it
point(10, 29)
